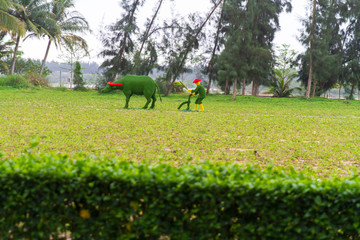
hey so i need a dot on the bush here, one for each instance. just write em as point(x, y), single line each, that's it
point(15, 81)
point(36, 79)
point(178, 86)
point(45, 196)
point(23, 66)
point(78, 78)
point(101, 82)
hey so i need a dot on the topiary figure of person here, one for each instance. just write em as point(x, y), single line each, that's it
point(78, 78)
point(202, 94)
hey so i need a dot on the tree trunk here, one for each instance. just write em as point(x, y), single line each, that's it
point(12, 71)
point(255, 89)
point(123, 42)
point(146, 35)
point(226, 86)
point(234, 90)
point(210, 66)
point(314, 88)
point(351, 96)
point(189, 48)
point(243, 86)
point(46, 55)
point(209, 84)
point(308, 89)
point(339, 91)
point(148, 29)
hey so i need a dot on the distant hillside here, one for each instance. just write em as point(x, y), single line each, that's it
point(88, 68)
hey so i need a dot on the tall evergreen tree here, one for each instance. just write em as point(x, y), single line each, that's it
point(173, 46)
point(145, 62)
point(321, 63)
point(250, 27)
point(189, 44)
point(351, 67)
point(311, 49)
point(119, 42)
point(78, 78)
point(218, 39)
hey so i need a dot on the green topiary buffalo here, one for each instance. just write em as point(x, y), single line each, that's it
point(139, 85)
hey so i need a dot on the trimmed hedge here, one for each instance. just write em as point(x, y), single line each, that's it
point(52, 196)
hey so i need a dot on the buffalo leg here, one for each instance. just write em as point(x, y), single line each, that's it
point(147, 102)
point(153, 101)
point(127, 100)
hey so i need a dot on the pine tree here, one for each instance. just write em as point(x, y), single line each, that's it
point(351, 66)
point(321, 63)
point(78, 78)
point(118, 41)
point(250, 28)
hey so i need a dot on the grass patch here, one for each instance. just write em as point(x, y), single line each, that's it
point(319, 136)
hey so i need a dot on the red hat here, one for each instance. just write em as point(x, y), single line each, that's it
point(197, 80)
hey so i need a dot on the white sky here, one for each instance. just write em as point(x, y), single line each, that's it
point(105, 12)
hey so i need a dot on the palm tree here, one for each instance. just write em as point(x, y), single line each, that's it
point(9, 22)
point(284, 73)
point(280, 86)
point(67, 23)
point(5, 52)
point(36, 16)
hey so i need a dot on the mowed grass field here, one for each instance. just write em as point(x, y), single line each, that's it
point(319, 136)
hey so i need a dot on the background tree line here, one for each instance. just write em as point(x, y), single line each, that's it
point(21, 19)
point(232, 43)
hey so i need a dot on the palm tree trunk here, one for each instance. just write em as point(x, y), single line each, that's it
point(311, 51)
point(189, 48)
point(15, 53)
point(44, 60)
point(234, 90)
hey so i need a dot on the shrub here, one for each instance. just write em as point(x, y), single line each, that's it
point(78, 78)
point(23, 66)
point(49, 195)
point(101, 82)
point(163, 85)
point(35, 79)
point(15, 81)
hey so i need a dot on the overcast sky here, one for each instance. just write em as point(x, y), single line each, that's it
point(105, 12)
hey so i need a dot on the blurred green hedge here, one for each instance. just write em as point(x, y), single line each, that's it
point(14, 81)
point(54, 197)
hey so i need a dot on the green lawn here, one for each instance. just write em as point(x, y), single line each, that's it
point(318, 135)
